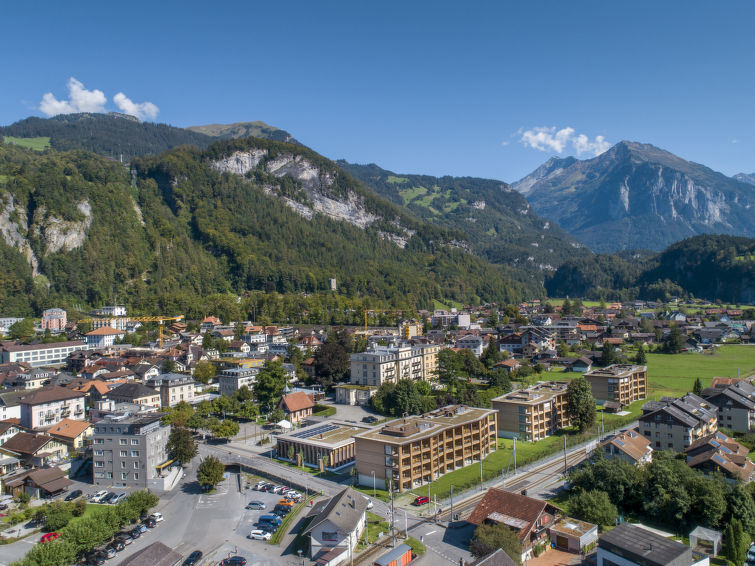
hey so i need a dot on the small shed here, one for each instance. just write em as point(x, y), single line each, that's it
point(399, 556)
point(573, 535)
point(701, 533)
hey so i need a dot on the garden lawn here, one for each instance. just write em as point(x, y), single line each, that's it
point(675, 374)
point(375, 526)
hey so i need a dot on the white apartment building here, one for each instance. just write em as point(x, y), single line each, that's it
point(49, 405)
point(391, 363)
point(37, 355)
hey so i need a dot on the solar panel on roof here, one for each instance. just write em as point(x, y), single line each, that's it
point(725, 449)
point(619, 442)
point(716, 444)
point(315, 431)
point(718, 459)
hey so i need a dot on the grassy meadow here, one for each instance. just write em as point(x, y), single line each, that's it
point(37, 144)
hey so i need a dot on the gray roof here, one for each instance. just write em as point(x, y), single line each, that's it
point(497, 558)
point(343, 510)
point(156, 554)
point(393, 554)
point(644, 547)
point(132, 391)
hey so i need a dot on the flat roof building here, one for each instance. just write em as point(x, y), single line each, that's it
point(533, 413)
point(390, 363)
point(630, 545)
point(334, 439)
point(417, 450)
point(622, 383)
point(37, 355)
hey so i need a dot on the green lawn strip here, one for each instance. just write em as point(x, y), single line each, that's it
point(375, 525)
point(37, 144)
point(418, 549)
point(288, 519)
point(313, 471)
point(676, 373)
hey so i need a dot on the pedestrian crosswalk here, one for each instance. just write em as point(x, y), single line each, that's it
point(207, 500)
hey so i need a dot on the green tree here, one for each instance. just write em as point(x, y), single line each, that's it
point(181, 445)
point(593, 506)
point(55, 553)
point(248, 411)
point(210, 472)
point(675, 340)
point(22, 330)
point(489, 538)
point(204, 371)
point(641, 358)
point(331, 363)
point(168, 366)
point(563, 349)
point(276, 415)
point(697, 388)
point(490, 355)
point(57, 516)
point(225, 429)
point(607, 355)
point(271, 380)
point(196, 421)
point(450, 368)
point(143, 500)
point(580, 404)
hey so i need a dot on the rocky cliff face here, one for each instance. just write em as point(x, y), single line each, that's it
point(51, 234)
point(313, 189)
point(638, 196)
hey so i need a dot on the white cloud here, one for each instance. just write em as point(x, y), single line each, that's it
point(79, 100)
point(143, 110)
point(550, 139)
point(82, 100)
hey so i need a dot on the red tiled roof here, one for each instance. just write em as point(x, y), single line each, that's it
point(506, 503)
point(297, 401)
point(68, 428)
point(106, 331)
point(49, 394)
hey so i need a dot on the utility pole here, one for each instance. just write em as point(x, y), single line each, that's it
point(564, 455)
point(515, 455)
point(406, 525)
point(393, 517)
point(452, 504)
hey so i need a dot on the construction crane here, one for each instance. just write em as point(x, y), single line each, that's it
point(160, 320)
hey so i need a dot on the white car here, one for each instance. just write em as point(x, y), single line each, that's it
point(259, 534)
point(157, 517)
point(97, 497)
point(370, 504)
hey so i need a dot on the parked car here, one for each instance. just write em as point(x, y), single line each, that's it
point(109, 552)
point(370, 503)
point(73, 495)
point(49, 537)
point(259, 534)
point(193, 558)
point(117, 499)
point(286, 502)
point(255, 505)
point(125, 538)
point(281, 510)
point(95, 559)
point(259, 485)
point(135, 533)
point(233, 561)
point(157, 516)
point(279, 489)
point(267, 527)
point(98, 497)
point(109, 497)
point(421, 500)
point(370, 419)
point(150, 522)
point(118, 545)
point(142, 527)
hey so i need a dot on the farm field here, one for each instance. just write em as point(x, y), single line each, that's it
point(37, 144)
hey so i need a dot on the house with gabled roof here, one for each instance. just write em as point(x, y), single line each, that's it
point(718, 453)
point(46, 406)
point(35, 449)
point(735, 402)
point(628, 445)
point(297, 406)
point(136, 393)
point(529, 518)
point(104, 337)
point(336, 526)
point(674, 424)
point(44, 482)
point(75, 434)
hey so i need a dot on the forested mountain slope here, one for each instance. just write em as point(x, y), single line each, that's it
point(240, 215)
point(500, 223)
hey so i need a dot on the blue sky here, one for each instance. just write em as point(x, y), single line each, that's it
point(487, 89)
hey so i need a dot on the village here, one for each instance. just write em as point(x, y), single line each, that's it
point(540, 433)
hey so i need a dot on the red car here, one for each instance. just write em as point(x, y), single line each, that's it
point(421, 500)
point(49, 537)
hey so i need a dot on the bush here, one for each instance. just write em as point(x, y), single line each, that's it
point(418, 549)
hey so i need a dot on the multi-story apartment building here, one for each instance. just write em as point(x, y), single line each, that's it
point(6, 322)
point(621, 383)
point(390, 363)
point(416, 450)
point(129, 450)
point(37, 355)
point(232, 379)
point(330, 444)
point(532, 413)
point(736, 405)
point(54, 320)
point(174, 388)
point(104, 336)
point(49, 405)
point(674, 424)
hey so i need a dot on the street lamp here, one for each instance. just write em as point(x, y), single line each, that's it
point(374, 490)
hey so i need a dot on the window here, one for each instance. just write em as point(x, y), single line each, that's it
point(136, 475)
point(134, 441)
point(124, 453)
point(123, 442)
point(332, 536)
point(134, 453)
point(110, 475)
point(387, 449)
point(136, 465)
point(98, 452)
point(123, 476)
point(123, 464)
point(99, 441)
point(99, 464)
